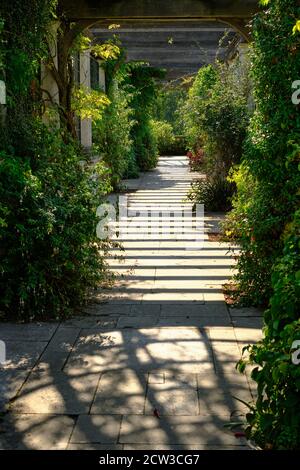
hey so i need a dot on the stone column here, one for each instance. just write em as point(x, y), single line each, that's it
point(243, 49)
point(102, 84)
point(85, 81)
point(49, 86)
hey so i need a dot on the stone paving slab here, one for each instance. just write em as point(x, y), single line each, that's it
point(11, 380)
point(137, 321)
point(106, 309)
point(219, 394)
point(120, 392)
point(35, 432)
point(21, 354)
point(246, 312)
point(253, 323)
point(57, 350)
point(177, 395)
point(145, 309)
point(95, 446)
point(217, 309)
point(183, 349)
point(30, 332)
point(98, 429)
point(56, 393)
point(183, 447)
point(193, 321)
point(181, 430)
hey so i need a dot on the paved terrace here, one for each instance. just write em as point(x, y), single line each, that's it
point(162, 339)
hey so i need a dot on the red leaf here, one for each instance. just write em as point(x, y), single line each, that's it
point(239, 434)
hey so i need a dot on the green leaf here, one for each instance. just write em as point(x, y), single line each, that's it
point(296, 28)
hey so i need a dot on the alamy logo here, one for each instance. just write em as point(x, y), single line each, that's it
point(158, 221)
point(2, 352)
point(296, 353)
point(296, 94)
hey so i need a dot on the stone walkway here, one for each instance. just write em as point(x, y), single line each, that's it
point(151, 364)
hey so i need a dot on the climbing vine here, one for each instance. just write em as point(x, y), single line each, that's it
point(266, 221)
point(50, 257)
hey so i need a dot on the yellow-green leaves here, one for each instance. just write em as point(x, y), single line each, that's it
point(296, 28)
point(89, 104)
point(264, 3)
point(106, 51)
point(114, 26)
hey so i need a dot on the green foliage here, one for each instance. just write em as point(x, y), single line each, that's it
point(141, 82)
point(268, 179)
point(167, 107)
point(50, 256)
point(274, 422)
point(266, 221)
point(194, 107)
point(216, 116)
point(112, 136)
point(215, 193)
point(164, 136)
point(89, 104)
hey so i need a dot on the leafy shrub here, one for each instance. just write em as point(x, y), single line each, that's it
point(112, 136)
point(274, 422)
point(164, 136)
point(167, 107)
point(216, 116)
point(196, 159)
point(50, 257)
point(214, 193)
point(140, 81)
point(266, 220)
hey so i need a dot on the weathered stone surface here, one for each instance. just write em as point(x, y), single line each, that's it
point(183, 447)
point(27, 331)
point(195, 311)
point(56, 352)
point(35, 432)
point(248, 323)
point(98, 321)
point(107, 309)
point(145, 310)
point(248, 334)
point(22, 354)
point(179, 349)
point(218, 393)
point(246, 312)
point(137, 321)
point(193, 321)
point(98, 429)
point(120, 392)
point(11, 381)
point(56, 392)
point(94, 446)
point(184, 430)
point(177, 395)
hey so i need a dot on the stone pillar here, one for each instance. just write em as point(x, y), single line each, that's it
point(2, 102)
point(49, 86)
point(243, 49)
point(102, 84)
point(85, 81)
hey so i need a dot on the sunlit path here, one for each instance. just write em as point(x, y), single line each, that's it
point(161, 342)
